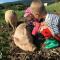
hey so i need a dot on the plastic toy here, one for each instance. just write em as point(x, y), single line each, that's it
point(51, 43)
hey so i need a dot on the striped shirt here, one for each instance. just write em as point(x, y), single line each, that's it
point(53, 21)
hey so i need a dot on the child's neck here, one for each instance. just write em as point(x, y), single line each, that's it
point(43, 16)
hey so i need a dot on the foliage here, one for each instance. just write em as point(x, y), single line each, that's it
point(53, 7)
point(13, 5)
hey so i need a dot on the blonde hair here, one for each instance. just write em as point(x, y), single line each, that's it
point(36, 4)
point(38, 7)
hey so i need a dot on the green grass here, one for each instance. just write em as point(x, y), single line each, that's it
point(2, 13)
point(4, 35)
point(2, 16)
point(20, 13)
point(4, 41)
point(53, 7)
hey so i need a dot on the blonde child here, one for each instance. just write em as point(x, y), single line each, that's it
point(50, 28)
point(51, 20)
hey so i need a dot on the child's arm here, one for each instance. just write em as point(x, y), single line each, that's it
point(36, 28)
point(57, 36)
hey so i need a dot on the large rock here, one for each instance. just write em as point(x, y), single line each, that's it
point(22, 38)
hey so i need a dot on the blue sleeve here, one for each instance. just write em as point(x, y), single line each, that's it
point(59, 24)
point(55, 23)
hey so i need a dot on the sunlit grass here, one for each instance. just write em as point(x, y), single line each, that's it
point(53, 7)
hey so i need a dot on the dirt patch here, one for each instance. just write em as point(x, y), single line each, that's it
point(11, 52)
point(42, 54)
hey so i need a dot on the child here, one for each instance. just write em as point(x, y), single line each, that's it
point(47, 32)
point(30, 23)
point(51, 20)
point(41, 27)
point(30, 19)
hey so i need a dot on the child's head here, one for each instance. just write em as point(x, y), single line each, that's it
point(36, 4)
point(38, 9)
point(35, 7)
point(36, 15)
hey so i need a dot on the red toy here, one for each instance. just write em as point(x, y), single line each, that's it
point(45, 30)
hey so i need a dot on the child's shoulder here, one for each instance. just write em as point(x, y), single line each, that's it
point(53, 15)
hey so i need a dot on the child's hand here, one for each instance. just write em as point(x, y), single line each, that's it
point(42, 28)
point(36, 23)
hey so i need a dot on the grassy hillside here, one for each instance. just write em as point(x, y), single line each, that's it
point(50, 8)
point(17, 5)
point(53, 7)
